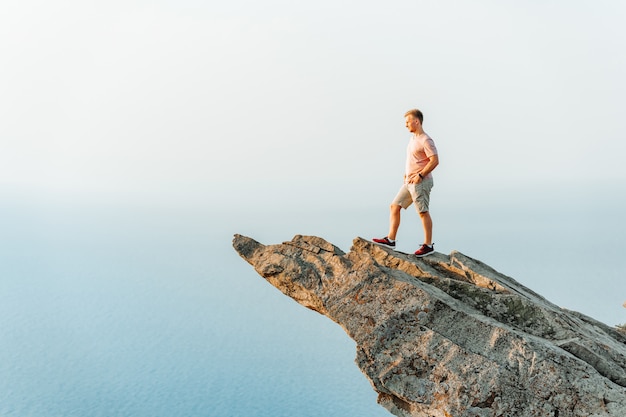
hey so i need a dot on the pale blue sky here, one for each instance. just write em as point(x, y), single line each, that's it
point(193, 100)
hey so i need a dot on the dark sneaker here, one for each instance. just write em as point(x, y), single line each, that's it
point(425, 250)
point(385, 241)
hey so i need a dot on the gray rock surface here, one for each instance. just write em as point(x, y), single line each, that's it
point(448, 336)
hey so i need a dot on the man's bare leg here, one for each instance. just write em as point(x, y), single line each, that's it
point(394, 221)
point(427, 223)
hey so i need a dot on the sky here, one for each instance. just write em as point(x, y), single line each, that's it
point(247, 108)
point(199, 102)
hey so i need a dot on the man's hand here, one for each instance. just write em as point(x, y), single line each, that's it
point(414, 179)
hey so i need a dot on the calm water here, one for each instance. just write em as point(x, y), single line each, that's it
point(121, 311)
point(127, 312)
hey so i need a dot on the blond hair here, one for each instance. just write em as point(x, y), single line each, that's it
point(417, 114)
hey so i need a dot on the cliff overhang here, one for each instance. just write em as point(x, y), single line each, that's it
point(447, 335)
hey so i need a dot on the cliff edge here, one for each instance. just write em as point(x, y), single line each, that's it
point(447, 335)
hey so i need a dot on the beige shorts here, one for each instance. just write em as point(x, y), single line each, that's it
point(415, 193)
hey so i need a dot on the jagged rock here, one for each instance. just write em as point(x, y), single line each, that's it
point(448, 336)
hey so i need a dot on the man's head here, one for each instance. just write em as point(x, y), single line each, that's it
point(413, 120)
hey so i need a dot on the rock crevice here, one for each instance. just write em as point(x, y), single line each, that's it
point(447, 335)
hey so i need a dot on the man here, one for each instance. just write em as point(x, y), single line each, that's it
point(421, 160)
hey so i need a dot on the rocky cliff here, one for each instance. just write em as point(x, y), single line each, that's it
point(448, 336)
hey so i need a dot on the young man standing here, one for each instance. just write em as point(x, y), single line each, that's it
point(421, 160)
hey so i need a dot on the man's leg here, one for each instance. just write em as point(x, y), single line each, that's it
point(402, 199)
point(427, 223)
point(394, 220)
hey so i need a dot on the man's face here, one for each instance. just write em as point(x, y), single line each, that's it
point(412, 123)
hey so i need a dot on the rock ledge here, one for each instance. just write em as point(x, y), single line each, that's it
point(447, 335)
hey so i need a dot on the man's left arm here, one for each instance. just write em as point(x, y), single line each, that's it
point(433, 161)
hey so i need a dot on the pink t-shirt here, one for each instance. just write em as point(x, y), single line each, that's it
point(420, 149)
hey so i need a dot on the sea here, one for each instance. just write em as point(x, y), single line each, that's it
point(135, 310)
